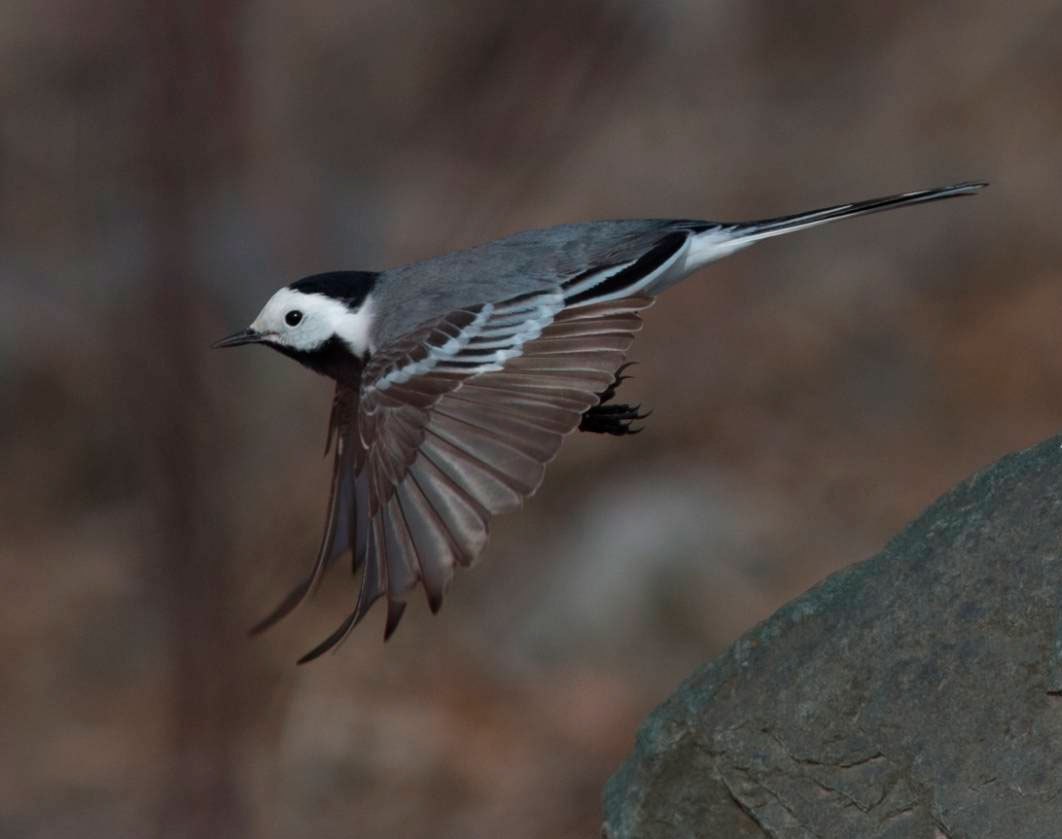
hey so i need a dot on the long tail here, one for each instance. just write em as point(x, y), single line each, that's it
point(753, 231)
point(713, 241)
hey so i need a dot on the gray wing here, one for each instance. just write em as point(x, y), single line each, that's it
point(458, 418)
point(458, 423)
point(455, 421)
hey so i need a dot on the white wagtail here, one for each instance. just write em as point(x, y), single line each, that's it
point(458, 377)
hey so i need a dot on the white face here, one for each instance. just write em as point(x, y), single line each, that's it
point(305, 321)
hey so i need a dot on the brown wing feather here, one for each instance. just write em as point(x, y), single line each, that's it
point(446, 449)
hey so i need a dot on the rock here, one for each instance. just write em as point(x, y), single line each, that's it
point(916, 694)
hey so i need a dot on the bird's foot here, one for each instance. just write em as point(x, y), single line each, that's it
point(614, 418)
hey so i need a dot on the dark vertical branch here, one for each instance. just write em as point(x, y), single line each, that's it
point(191, 144)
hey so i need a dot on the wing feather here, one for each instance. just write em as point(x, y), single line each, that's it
point(495, 490)
point(434, 543)
point(456, 422)
point(403, 566)
point(534, 442)
point(524, 391)
point(466, 519)
point(532, 412)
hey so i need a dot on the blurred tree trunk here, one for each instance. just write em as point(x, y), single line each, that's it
point(191, 138)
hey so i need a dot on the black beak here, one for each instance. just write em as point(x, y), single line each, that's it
point(244, 336)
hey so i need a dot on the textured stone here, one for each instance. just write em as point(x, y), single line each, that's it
point(916, 694)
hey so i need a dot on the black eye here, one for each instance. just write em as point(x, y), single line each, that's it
point(293, 317)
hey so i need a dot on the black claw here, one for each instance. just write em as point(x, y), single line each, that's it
point(611, 419)
point(607, 417)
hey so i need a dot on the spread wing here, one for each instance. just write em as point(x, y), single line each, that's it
point(458, 421)
point(455, 422)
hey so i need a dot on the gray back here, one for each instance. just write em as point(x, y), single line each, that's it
point(530, 261)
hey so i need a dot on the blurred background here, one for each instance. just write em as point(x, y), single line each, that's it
point(165, 166)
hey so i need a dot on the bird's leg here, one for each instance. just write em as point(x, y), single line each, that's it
point(612, 418)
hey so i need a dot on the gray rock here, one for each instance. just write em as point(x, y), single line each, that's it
point(917, 694)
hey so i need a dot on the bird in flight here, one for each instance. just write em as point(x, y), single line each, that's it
point(458, 377)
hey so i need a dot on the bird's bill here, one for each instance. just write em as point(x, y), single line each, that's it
point(244, 336)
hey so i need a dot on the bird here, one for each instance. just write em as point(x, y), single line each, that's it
point(458, 377)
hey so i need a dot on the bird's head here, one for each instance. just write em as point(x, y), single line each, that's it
point(323, 321)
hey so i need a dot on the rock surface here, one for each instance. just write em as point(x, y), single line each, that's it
point(916, 694)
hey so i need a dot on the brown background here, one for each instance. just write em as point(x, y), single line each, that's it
point(165, 166)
